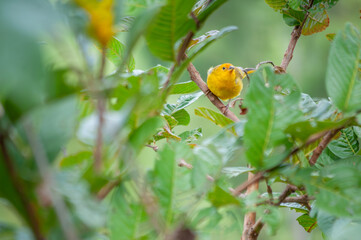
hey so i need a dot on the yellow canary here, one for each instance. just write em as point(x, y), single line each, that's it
point(225, 80)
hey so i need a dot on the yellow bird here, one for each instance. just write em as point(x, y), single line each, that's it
point(225, 80)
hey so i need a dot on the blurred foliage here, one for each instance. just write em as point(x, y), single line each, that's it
point(74, 83)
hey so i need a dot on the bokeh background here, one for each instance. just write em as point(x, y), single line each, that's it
point(262, 35)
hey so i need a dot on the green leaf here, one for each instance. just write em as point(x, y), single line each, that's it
point(77, 192)
point(169, 25)
point(276, 4)
point(192, 135)
point(343, 81)
point(126, 214)
point(293, 17)
point(206, 12)
point(336, 187)
point(167, 182)
point(220, 198)
point(295, 4)
point(304, 130)
point(115, 53)
point(172, 122)
point(330, 36)
point(76, 159)
point(316, 109)
point(201, 47)
point(182, 102)
point(184, 87)
point(215, 117)
point(52, 126)
point(268, 116)
point(139, 26)
point(307, 222)
point(346, 145)
point(207, 218)
point(182, 116)
point(235, 171)
point(144, 132)
point(316, 22)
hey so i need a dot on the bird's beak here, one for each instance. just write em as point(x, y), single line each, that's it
point(231, 68)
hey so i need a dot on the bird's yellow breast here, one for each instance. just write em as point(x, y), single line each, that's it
point(225, 81)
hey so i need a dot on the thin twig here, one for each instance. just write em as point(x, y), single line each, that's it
point(32, 214)
point(256, 178)
point(259, 176)
point(100, 110)
point(105, 190)
point(269, 191)
point(295, 35)
point(196, 77)
point(253, 231)
point(323, 144)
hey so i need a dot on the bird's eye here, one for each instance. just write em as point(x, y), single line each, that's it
point(224, 68)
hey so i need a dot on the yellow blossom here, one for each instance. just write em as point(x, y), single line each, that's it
point(101, 18)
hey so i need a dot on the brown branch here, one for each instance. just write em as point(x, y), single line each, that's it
point(295, 35)
point(249, 218)
point(255, 178)
point(32, 214)
point(100, 110)
point(105, 190)
point(252, 232)
point(259, 176)
point(323, 144)
point(196, 77)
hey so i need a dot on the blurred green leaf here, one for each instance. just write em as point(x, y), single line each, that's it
point(54, 124)
point(168, 183)
point(182, 116)
point(305, 129)
point(215, 117)
point(343, 83)
point(209, 9)
point(139, 26)
point(169, 25)
point(207, 218)
point(235, 171)
point(293, 17)
point(184, 87)
point(276, 4)
point(330, 36)
point(220, 198)
point(172, 122)
point(76, 159)
point(336, 187)
point(295, 4)
point(177, 111)
point(126, 214)
point(346, 145)
point(316, 109)
point(268, 117)
point(201, 47)
point(307, 222)
point(144, 132)
point(115, 53)
point(192, 135)
point(76, 190)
